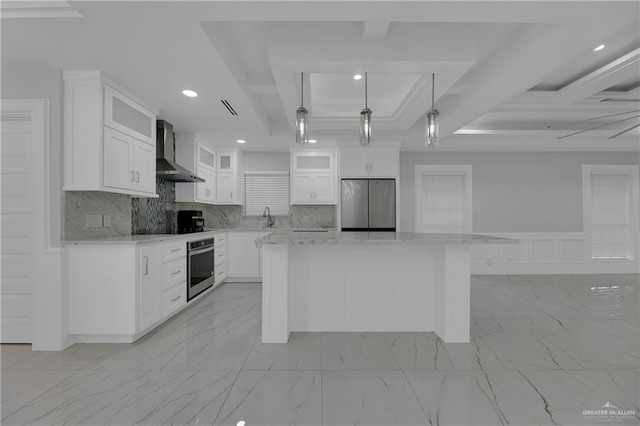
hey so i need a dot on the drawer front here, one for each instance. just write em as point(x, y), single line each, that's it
point(221, 273)
point(220, 240)
point(174, 272)
point(174, 250)
point(220, 255)
point(173, 299)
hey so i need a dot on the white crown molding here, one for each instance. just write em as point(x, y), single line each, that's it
point(37, 9)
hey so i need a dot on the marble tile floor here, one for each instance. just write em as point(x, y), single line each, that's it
point(545, 350)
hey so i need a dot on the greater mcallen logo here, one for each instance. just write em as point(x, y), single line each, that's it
point(608, 413)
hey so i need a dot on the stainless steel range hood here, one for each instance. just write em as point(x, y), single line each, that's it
point(166, 166)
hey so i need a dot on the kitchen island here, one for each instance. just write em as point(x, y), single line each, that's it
point(363, 282)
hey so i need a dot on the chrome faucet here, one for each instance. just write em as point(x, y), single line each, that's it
point(270, 220)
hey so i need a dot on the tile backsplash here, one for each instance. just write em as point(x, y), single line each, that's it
point(300, 216)
point(131, 215)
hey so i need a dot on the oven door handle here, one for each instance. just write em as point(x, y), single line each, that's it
point(201, 250)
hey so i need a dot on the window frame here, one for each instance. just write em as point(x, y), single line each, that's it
point(627, 169)
point(444, 169)
point(260, 172)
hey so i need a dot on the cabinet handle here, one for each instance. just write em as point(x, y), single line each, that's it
point(176, 298)
point(370, 167)
point(175, 250)
point(176, 272)
point(220, 255)
point(231, 195)
point(133, 177)
point(146, 265)
point(137, 176)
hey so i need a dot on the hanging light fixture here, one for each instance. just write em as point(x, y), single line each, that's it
point(431, 137)
point(365, 119)
point(302, 117)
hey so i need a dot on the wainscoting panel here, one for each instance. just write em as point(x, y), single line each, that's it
point(544, 253)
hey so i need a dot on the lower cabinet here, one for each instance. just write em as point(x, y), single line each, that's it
point(149, 286)
point(244, 256)
point(121, 292)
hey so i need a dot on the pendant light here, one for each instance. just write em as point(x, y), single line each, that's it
point(431, 137)
point(365, 119)
point(302, 117)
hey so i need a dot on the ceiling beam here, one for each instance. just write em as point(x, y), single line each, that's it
point(375, 30)
point(617, 71)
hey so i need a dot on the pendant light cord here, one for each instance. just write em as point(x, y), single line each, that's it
point(302, 90)
point(433, 88)
point(365, 90)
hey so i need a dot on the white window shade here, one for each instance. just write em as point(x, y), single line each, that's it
point(266, 190)
point(443, 199)
point(610, 225)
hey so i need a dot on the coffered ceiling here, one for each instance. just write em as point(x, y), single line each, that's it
point(504, 71)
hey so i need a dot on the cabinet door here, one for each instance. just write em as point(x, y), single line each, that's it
point(312, 161)
point(383, 161)
point(225, 185)
point(354, 161)
point(243, 257)
point(124, 114)
point(301, 188)
point(206, 191)
point(324, 188)
point(227, 161)
point(119, 170)
point(144, 161)
point(206, 157)
point(149, 286)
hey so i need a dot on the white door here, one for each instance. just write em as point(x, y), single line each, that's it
point(150, 286)
point(144, 159)
point(354, 161)
point(383, 161)
point(243, 256)
point(17, 216)
point(119, 171)
point(224, 187)
point(301, 188)
point(323, 188)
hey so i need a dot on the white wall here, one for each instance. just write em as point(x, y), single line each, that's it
point(266, 161)
point(514, 192)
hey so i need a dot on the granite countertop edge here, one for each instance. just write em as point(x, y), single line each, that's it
point(373, 238)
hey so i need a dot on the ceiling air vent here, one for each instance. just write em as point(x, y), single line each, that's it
point(229, 107)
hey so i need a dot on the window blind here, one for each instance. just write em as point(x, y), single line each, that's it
point(610, 227)
point(443, 203)
point(266, 190)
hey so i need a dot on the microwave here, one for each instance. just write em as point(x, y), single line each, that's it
point(190, 221)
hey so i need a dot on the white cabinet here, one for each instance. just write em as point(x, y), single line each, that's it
point(243, 260)
point(149, 286)
point(313, 178)
point(195, 155)
point(312, 188)
point(220, 242)
point(372, 161)
point(228, 177)
point(129, 163)
point(174, 277)
point(109, 137)
point(115, 291)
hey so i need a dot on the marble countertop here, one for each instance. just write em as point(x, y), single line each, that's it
point(152, 238)
point(355, 238)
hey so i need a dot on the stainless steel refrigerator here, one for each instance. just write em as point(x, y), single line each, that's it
point(368, 205)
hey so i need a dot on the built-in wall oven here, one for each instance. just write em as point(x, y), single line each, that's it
point(200, 266)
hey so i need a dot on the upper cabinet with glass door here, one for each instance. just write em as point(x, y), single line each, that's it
point(229, 182)
point(313, 177)
point(109, 137)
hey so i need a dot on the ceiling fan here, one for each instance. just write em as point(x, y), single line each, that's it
point(622, 117)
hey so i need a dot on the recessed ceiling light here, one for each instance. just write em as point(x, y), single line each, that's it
point(241, 141)
point(357, 77)
point(599, 48)
point(312, 141)
point(189, 93)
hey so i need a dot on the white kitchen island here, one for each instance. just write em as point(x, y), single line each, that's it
point(361, 281)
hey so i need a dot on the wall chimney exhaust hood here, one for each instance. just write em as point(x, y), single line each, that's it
point(166, 166)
